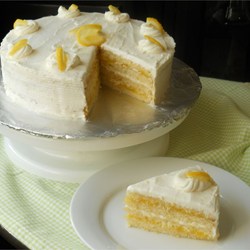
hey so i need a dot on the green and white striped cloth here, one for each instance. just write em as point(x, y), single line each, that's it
point(217, 131)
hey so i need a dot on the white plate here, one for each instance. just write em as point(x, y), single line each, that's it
point(97, 208)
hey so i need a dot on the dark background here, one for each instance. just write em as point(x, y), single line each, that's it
point(213, 37)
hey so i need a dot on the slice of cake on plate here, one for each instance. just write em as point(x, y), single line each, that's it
point(183, 203)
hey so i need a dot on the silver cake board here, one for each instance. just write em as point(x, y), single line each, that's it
point(120, 128)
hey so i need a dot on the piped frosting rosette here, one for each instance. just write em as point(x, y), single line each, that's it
point(20, 49)
point(114, 15)
point(156, 40)
point(60, 60)
point(71, 12)
point(193, 179)
point(24, 27)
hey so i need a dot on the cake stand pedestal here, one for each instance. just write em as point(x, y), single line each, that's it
point(76, 166)
point(120, 128)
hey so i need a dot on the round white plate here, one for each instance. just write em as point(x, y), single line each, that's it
point(97, 208)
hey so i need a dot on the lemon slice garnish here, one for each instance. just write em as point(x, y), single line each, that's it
point(92, 40)
point(114, 9)
point(73, 7)
point(61, 58)
point(152, 40)
point(155, 23)
point(17, 46)
point(203, 176)
point(20, 22)
point(90, 35)
point(95, 26)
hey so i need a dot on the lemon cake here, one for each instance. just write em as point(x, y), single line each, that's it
point(54, 65)
point(183, 203)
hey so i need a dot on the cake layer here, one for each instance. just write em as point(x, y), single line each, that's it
point(183, 203)
point(164, 226)
point(126, 77)
point(152, 213)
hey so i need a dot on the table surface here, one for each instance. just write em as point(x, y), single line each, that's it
point(35, 211)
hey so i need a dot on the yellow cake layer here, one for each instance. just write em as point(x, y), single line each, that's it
point(126, 86)
point(157, 215)
point(126, 76)
point(162, 226)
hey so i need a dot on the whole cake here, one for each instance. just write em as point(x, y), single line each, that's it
point(183, 203)
point(55, 65)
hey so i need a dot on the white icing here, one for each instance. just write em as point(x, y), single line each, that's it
point(30, 27)
point(122, 39)
point(164, 187)
point(149, 47)
point(21, 53)
point(66, 13)
point(148, 29)
point(73, 61)
point(187, 184)
point(117, 18)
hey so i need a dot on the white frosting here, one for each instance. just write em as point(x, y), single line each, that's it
point(35, 77)
point(149, 47)
point(73, 61)
point(164, 39)
point(21, 53)
point(174, 188)
point(30, 27)
point(66, 13)
point(117, 18)
point(187, 184)
point(148, 29)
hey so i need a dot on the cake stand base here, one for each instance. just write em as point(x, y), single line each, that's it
point(77, 166)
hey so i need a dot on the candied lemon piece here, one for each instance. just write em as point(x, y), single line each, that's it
point(17, 46)
point(152, 40)
point(73, 7)
point(90, 35)
point(20, 22)
point(154, 22)
point(93, 40)
point(61, 58)
point(114, 9)
point(199, 175)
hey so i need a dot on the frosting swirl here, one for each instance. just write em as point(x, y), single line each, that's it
point(116, 18)
point(73, 61)
point(187, 184)
point(22, 52)
point(148, 29)
point(30, 27)
point(159, 40)
point(68, 13)
point(149, 47)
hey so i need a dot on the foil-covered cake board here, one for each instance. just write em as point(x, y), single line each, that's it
point(118, 129)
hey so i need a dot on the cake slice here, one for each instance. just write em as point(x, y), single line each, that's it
point(183, 203)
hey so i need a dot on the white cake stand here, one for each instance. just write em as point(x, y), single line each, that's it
point(76, 160)
point(122, 129)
